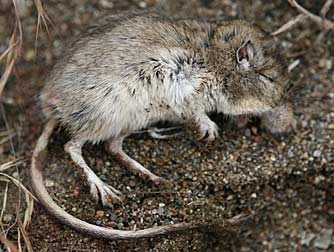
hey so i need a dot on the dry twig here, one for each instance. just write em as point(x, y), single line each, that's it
point(325, 8)
point(298, 19)
point(8, 243)
point(323, 22)
point(25, 235)
point(15, 44)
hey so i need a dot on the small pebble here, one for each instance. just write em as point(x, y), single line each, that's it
point(307, 238)
point(132, 183)
point(291, 154)
point(258, 139)
point(49, 183)
point(161, 210)
point(230, 197)
point(15, 175)
point(331, 126)
point(142, 4)
point(254, 130)
point(324, 239)
point(247, 132)
point(76, 193)
point(7, 218)
point(317, 153)
point(100, 213)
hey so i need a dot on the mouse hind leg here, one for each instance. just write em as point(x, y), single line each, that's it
point(115, 148)
point(98, 188)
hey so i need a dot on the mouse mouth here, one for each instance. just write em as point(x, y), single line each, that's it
point(280, 120)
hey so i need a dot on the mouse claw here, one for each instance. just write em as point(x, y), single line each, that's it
point(156, 132)
point(159, 181)
point(107, 193)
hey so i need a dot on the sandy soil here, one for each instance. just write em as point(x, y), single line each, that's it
point(287, 180)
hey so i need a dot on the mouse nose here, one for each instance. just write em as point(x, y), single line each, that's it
point(291, 126)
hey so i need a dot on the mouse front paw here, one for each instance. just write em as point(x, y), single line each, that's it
point(208, 131)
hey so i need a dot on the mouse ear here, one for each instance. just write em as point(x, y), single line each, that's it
point(245, 55)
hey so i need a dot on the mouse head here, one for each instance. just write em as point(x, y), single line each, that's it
point(254, 78)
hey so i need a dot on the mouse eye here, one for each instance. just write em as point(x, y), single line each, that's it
point(268, 78)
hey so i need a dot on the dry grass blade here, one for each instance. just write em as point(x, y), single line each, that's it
point(5, 133)
point(28, 212)
point(18, 23)
point(4, 140)
point(325, 8)
point(7, 138)
point(8, 51)
point(10, 54)
point(6, 75)
point(293, 65)
point(13, 50)
point(42, 18)
point(18, 184)
point(8, 243)
point(4, 204)
point(306, 14)
point(325, 23)
point(9, 164)
point(25, 236)
point(289, 24)
point(41, 15)
point(19, 239)
point(28, 197)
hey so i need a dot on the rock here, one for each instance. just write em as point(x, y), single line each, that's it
point(254, 130)
point(49, 183)
point(142, 4)
point(247, 132)
point(291, 153)
point(307, 238)
point(317, 153)
point(100, 213)
point(324, 239)
point(132, 183)
point(30, 55)
point(76, 193)
point(7, 218)
point(161, 210)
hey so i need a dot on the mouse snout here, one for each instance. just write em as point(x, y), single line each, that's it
point(280, 120)
point(292, 125)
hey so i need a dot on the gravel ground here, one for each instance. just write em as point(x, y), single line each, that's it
point(287, 180)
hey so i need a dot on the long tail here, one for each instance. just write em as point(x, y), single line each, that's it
point(36, 177)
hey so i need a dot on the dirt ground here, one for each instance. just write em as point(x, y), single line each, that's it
point(287, 181)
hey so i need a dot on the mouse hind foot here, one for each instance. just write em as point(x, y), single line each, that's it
point(98, 188)
point(115, 148)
